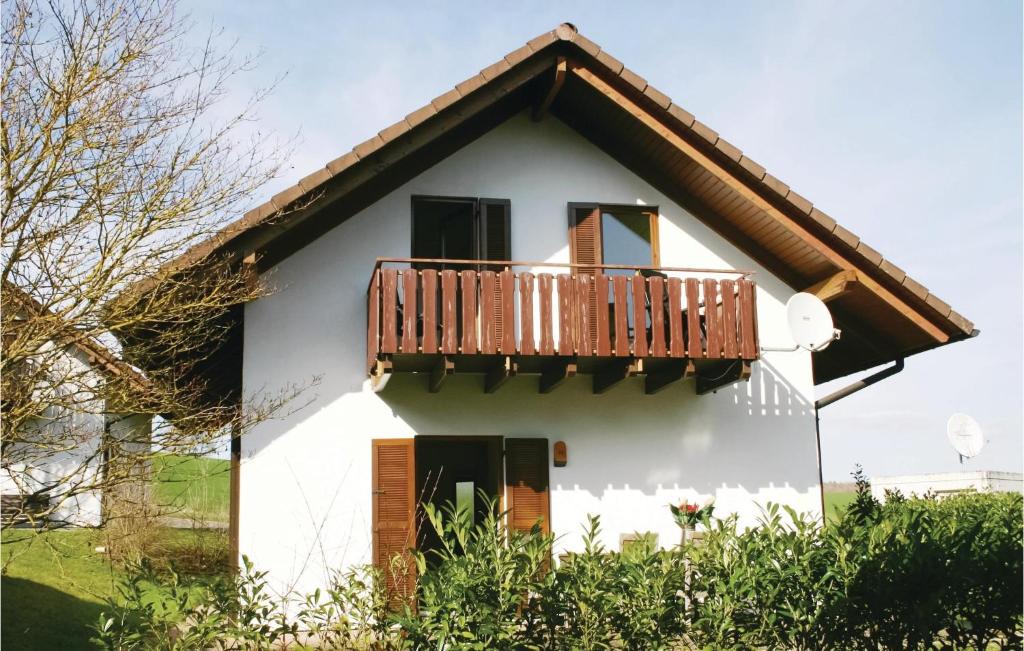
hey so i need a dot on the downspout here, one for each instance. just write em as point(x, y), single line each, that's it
point(850, 389)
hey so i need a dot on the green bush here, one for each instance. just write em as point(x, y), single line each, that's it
point(912, 573)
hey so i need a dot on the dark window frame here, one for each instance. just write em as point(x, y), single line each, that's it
point(479, 221)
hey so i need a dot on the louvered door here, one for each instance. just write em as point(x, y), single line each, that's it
point(585, 249)
point(394, 531)
point(526, 484)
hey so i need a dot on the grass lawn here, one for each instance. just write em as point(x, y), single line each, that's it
point(192, 487)
point(55, 586)
point(836, 502)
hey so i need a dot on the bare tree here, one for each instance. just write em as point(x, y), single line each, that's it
point(118, 156)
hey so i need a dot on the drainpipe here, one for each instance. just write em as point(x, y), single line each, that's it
point(839, 395)
point(863, 383)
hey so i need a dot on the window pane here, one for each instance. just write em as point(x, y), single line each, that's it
point(626, 237)
point(464, 495)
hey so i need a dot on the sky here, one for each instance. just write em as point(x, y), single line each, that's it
point(901, 120)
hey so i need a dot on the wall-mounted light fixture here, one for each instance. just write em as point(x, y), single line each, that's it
point(561, 455)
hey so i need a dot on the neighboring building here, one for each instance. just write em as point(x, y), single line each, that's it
point(949, 483)
point(48, 472)
point(605, 360)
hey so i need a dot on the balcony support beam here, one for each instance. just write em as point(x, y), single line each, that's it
point(444, 367)
point(678, 370)
point(499, 374)
point(556, 373)
point(615, 372)
point(736, 372)
point(380, 374)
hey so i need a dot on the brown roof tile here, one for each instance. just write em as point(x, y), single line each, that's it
point(823, 219)
point(444, 100)
point(633, 79)
point(420, 115)
point(915, 287)
point(845, 236)
point(659, 98)
point(775, 185)
point(469, 85)
point(729, 149)
point(873, 256)
point(519, 54)
point(342, 163)
point(284, 198)
point(960, 322)
point(395, 130)
point(681, 114)
point(800, 202)
point(495, 69)
point(367, 147)
point(751, 166)
point(587, 45)
point(610, 62)
point(312, 181)
point(938, 304)
point(892, 270)
point(704, 131)
point(542, 41)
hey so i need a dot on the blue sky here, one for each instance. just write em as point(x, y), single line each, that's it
point(901, 120)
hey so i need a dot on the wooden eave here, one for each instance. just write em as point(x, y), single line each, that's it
point(885, 315)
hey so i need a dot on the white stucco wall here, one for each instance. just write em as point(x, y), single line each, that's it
point(60, 451)
point(305, 479)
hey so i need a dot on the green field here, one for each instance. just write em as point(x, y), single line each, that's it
point(836, 502)
point(55, 583)
point(192, 487)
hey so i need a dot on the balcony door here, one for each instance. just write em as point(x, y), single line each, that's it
point(602, 234)
point(460, 228)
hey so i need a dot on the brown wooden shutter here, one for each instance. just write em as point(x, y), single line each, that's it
point(496, 244)
point(526, 484)
point(585, 249)
point(394, 530)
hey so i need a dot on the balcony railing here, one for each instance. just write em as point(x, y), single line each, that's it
point(535, 317)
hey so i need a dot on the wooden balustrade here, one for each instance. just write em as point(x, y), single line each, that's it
point(668, 314)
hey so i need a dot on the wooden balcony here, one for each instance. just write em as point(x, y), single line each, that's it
point(500, 319)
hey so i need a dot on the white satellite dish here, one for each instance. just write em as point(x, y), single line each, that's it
point(810, 322)
point(965, 435)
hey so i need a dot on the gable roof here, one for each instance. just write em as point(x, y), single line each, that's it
point(884, 313)
point(98, 355)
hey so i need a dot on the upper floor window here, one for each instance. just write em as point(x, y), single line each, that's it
point(613, 234)
point(461, 228)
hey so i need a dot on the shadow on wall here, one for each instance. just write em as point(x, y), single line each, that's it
point(749, 436)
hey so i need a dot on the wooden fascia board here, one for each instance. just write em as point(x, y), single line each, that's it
point(834, 286)
point(735, 184)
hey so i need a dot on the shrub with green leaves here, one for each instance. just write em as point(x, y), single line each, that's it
point(910, 573)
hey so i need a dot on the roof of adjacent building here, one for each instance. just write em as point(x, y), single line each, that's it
point(884, 313)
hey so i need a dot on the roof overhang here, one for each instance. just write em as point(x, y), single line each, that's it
point(884, 314)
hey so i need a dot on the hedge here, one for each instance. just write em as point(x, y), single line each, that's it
point(910, 573)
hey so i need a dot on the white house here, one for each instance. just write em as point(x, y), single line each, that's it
point(52, 469)
point(605, 360)
point(942, 484)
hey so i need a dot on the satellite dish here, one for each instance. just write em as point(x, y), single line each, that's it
point(964, 435)
point(810, 323)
